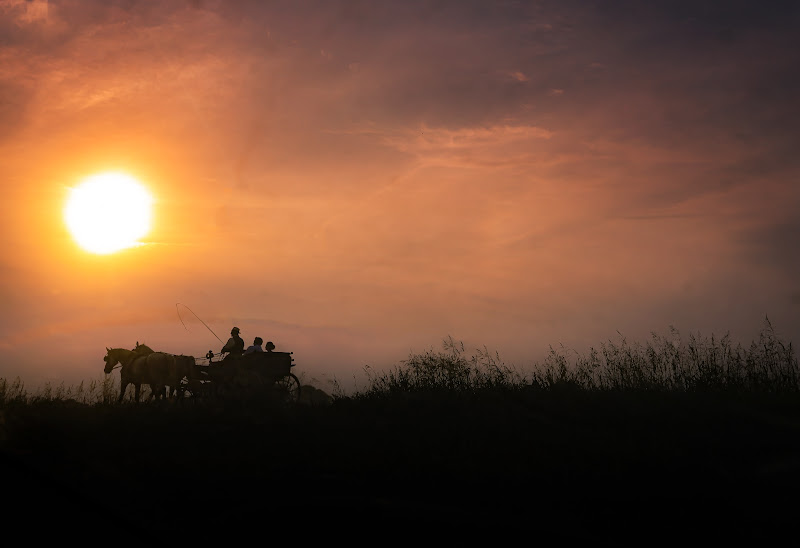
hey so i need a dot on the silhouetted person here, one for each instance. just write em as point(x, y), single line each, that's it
point(235, 345)
point(270, 346)
point(255, 347)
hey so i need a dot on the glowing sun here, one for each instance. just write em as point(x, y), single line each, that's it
point(108, 212)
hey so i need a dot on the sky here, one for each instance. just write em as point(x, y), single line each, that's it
point(358, 180)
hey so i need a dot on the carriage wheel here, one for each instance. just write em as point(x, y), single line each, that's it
point(288, 388)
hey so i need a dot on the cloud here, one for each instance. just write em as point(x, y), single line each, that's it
point(771, 244)
point(401, 168)
point(487, 147)
point(25, 11)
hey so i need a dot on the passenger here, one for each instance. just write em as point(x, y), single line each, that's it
point(235, 345)
point(270, 346)
point(255, 347)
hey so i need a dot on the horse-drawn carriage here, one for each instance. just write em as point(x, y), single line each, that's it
point(256, 375)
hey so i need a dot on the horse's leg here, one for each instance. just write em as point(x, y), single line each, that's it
point(138, 388)
point(123, 386)
point(156, 392)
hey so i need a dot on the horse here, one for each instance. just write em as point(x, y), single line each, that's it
point(157, 369)
point(123, 357)
point(142, 349)
point(183, 367)
point(158, 391)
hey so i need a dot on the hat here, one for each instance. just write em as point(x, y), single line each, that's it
point(235, 330)
point(270, 346)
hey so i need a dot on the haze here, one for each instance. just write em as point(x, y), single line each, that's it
point(356, 181)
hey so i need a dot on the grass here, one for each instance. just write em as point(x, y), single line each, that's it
point(665, 363)
point(670, 364)
point(675, 433)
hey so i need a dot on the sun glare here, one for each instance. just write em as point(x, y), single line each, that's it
point(108, 212)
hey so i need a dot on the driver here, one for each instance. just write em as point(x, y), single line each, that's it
point(235, 345)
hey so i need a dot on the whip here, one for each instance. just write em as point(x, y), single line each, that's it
point(196, 316)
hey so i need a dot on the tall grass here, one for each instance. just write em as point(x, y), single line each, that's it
point(94, 392)
point(449, 370)
point(668, 363)
point(673, 363)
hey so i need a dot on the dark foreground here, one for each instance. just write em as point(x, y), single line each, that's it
point(606, 469)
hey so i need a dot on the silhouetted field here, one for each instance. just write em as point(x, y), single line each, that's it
point(668, 441)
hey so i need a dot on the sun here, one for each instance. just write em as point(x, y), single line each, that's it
point(108, 212)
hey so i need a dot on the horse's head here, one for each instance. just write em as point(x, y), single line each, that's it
point(142, 348)
point(116, 355)
point(111, 360)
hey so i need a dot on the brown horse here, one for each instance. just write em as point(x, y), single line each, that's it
point(157, 369)
point(184, 366)
point(142, 348)
point(157, 391)
point(123, 357)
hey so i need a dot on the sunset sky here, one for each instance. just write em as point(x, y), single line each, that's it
point(357, 180)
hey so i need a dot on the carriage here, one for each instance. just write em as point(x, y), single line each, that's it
point(257, 375)
point(251, 375)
